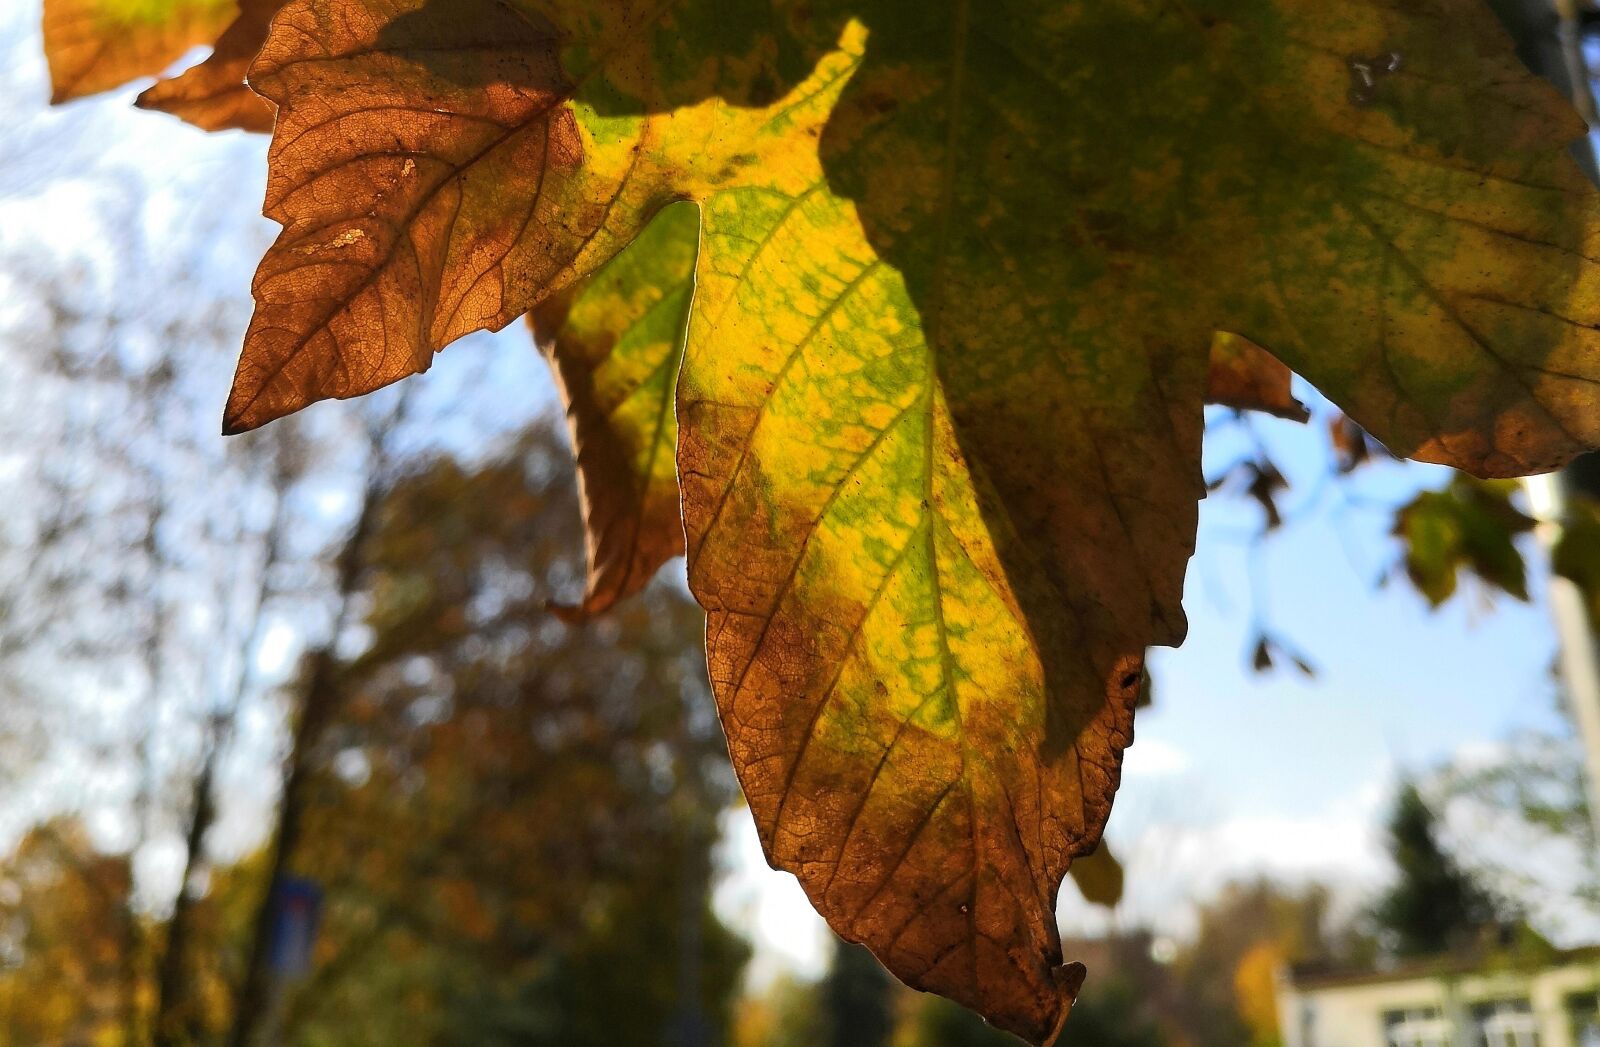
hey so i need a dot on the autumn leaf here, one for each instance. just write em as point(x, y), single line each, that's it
point(615, 344)
point(940, 402)
point(213, 94)
point(96, 45)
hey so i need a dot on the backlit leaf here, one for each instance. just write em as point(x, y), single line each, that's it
point(213, 94)
point(95, 45)
point(615, 343)
point(940, 403)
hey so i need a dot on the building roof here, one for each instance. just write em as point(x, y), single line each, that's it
point(1329, 976)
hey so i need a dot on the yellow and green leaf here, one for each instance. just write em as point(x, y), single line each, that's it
point(615, 343)
point(939, 409)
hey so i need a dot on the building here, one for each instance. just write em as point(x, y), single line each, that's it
point(1447, 1002)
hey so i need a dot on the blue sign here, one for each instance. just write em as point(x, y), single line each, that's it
point(296, 911)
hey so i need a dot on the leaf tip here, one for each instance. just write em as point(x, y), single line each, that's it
point(242, 418)
point(1069, 980)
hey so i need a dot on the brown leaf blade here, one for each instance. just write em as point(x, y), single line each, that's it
point(426, 169)
point(1245, 376)
point(615, 342)
point(96, 45)
point(213, 95)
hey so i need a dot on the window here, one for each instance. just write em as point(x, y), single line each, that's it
point(1504, 1023)
point(1416, 1027)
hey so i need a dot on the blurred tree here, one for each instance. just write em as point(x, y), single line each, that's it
point(786, 1014)
point(933, 1021)
point(1114, 1013)
point(514, 845)
point(857, 999)
point(63, 939)
point(1519, 815)
point(1114, 1016)
point(1434, 905)
point(1221, 982)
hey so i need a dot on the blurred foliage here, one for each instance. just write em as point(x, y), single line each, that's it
point(1469, 525)
point(786, 1014)
point(1519, 812)
point(1221, 984)
point(515, 844)
point(65, 940)
point(857, 999)
point(1112, 1017)
point(1576, 555)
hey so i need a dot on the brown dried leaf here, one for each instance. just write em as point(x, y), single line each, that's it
point(1245, 376)
point(96, 45)
point(213, 95)
point(428, 173)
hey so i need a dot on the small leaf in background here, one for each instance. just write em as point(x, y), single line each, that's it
point(1099, 876)
point(1352, 446)
point(1267, 651)
point(1259, 480)
point(96, 45)
point(1470, 525)
point(1576, 555)
point(1245, 376)
point(615, 343)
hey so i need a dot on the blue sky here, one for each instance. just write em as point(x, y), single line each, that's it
point(1231, 773)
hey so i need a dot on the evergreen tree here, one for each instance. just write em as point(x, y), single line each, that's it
point(1435, 905)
